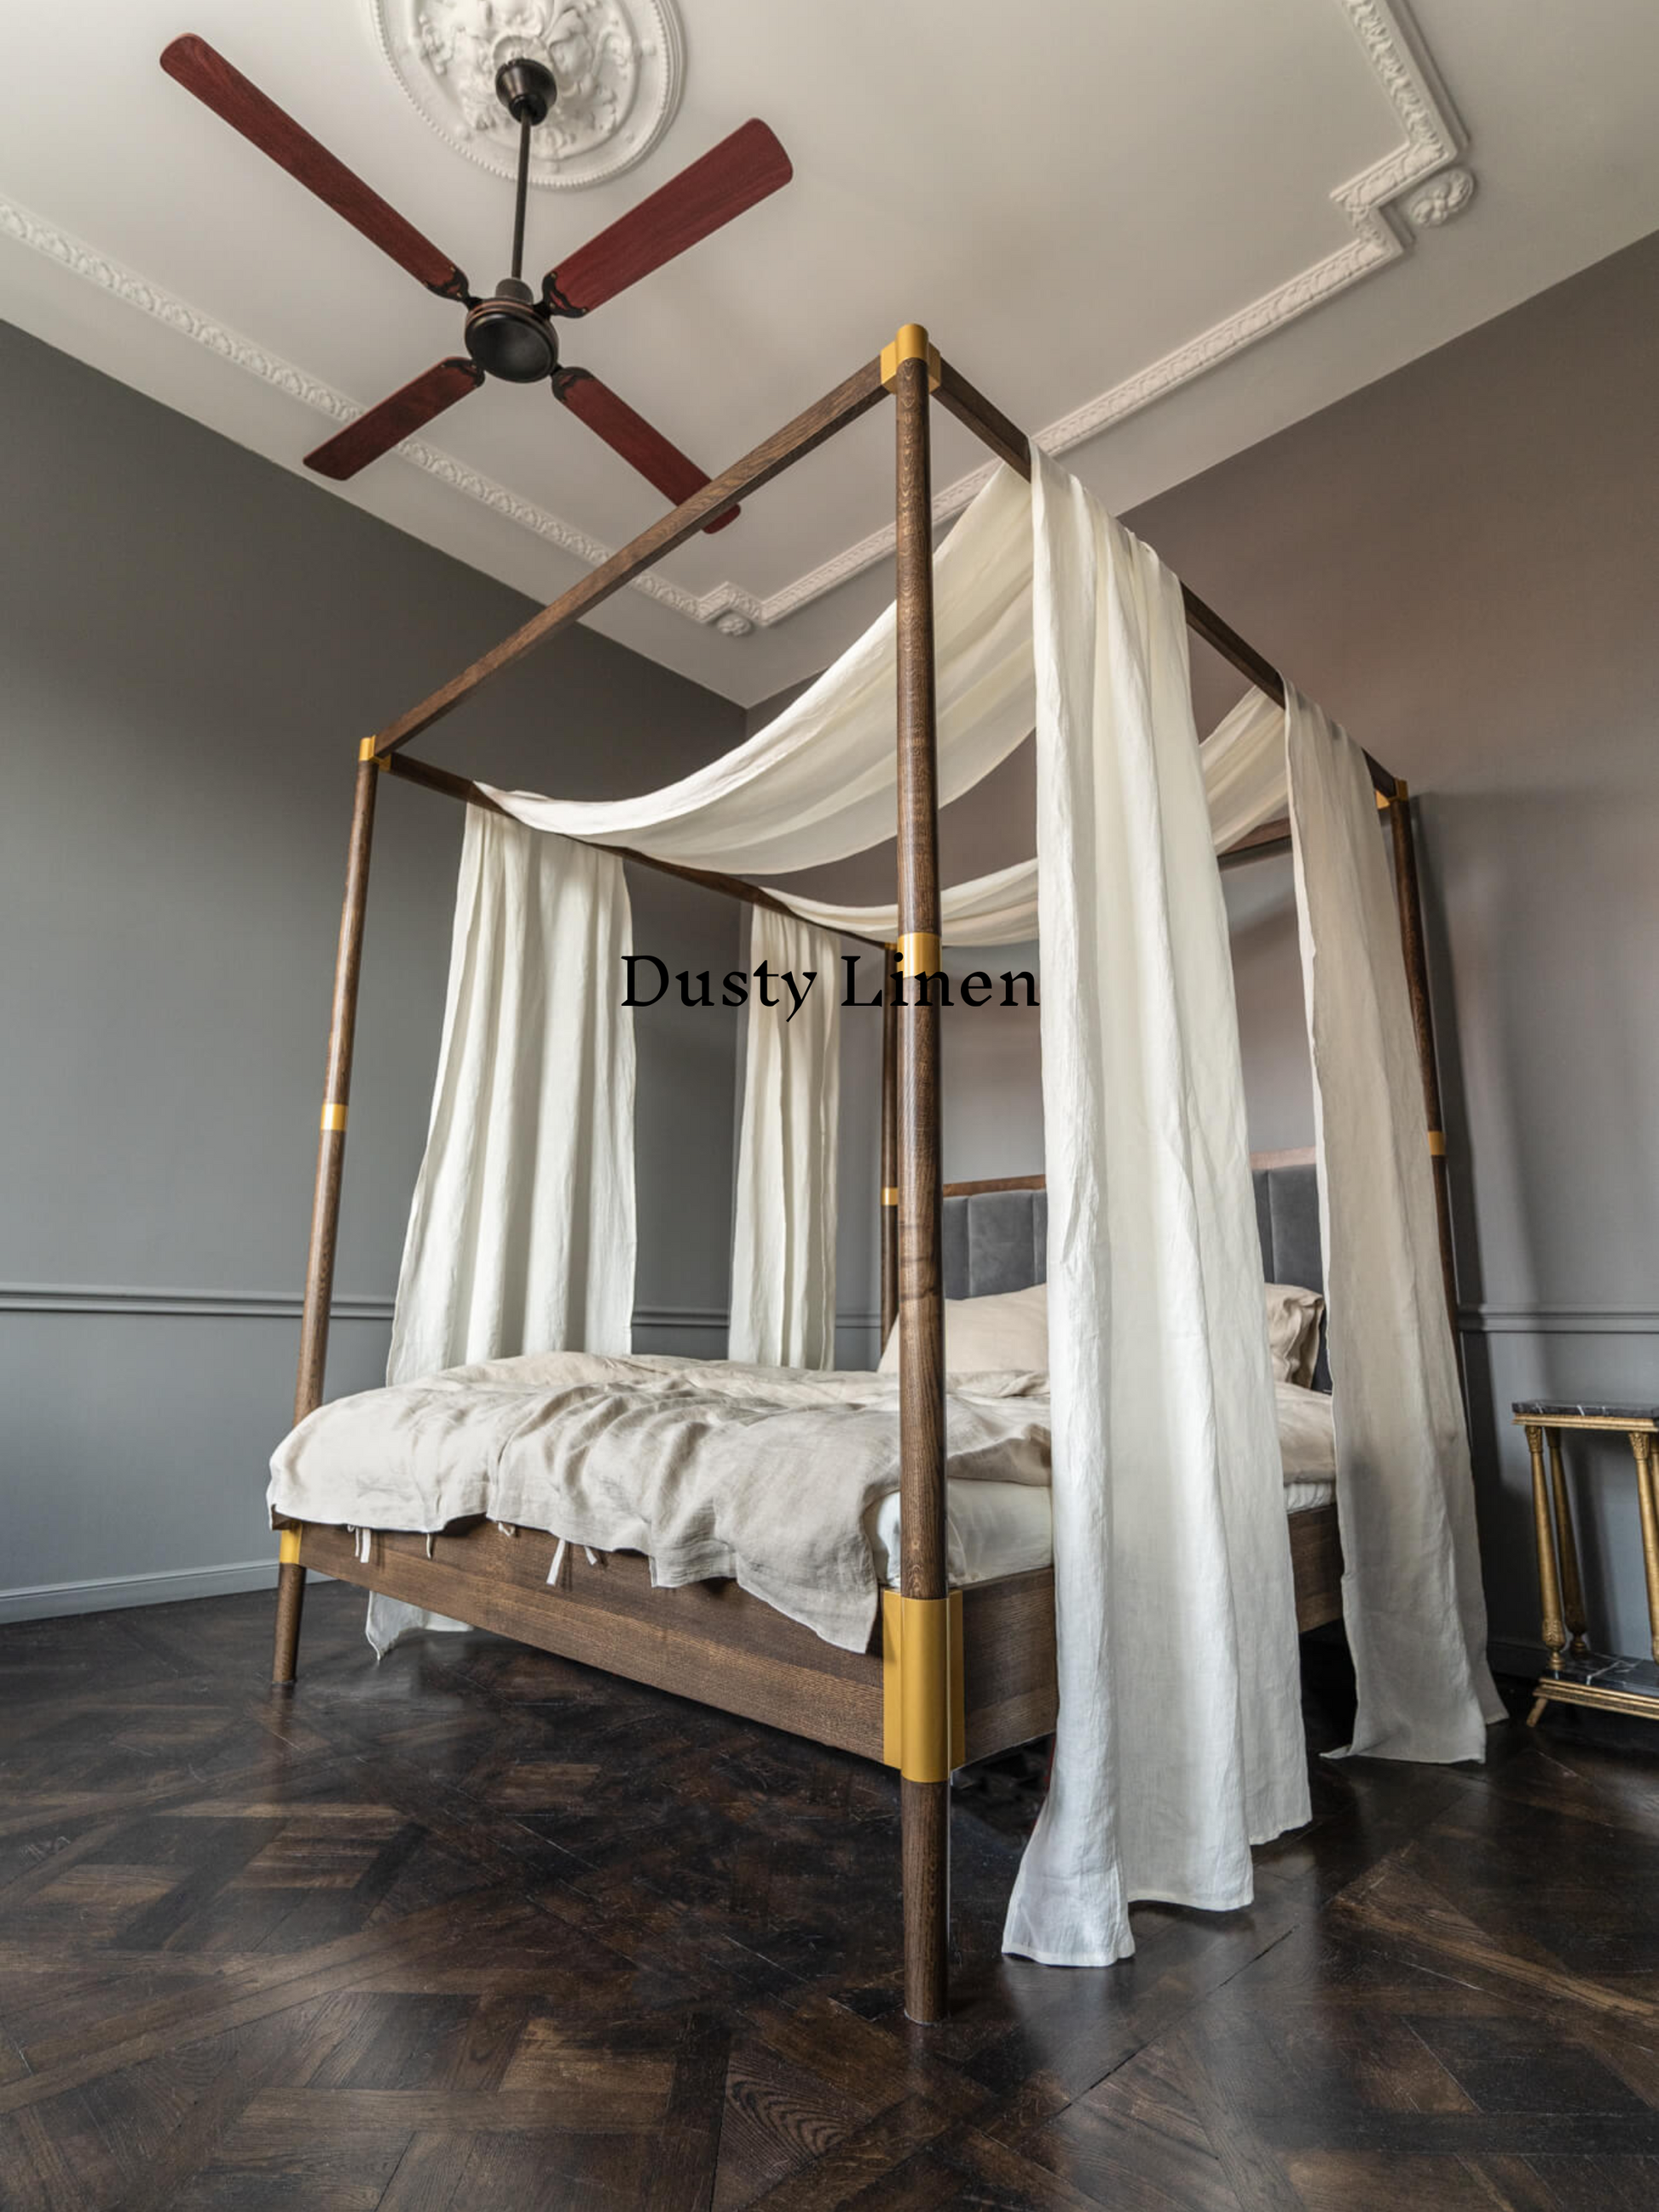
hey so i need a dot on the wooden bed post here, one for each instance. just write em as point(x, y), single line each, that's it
point(1408, 892)
point(888, 1215)
point(326, 1201)
point(921, 1614)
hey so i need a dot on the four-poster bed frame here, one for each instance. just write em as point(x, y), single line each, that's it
point(948, 1676)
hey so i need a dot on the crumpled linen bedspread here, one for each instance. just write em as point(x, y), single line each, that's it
point(710, 1467)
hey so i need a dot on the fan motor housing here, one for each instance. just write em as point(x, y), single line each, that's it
point(507, 338)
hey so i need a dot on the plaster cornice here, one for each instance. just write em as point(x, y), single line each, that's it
point(1432, 140)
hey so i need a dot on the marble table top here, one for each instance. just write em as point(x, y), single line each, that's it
point(1586, 1409)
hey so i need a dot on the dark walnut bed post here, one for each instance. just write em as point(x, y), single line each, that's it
point(888, 1217)
point(923, 1607)
point(325, 1201)
point(1409, 895)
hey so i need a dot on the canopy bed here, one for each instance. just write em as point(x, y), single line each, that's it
point(1160, 1643)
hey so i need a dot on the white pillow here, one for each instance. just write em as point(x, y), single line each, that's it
point(1008, 1330)
point(1293, 1331)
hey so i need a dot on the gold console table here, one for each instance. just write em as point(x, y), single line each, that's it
point(1577, 1675)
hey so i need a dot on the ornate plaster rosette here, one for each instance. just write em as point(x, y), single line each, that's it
point(617, 63)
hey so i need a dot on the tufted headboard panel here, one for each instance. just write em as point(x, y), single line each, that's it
point(996, 1235)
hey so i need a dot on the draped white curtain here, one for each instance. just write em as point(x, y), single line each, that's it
point(1179, 1742)
point(783, 1242)
point(521, 1235)
point(1001, 909)
point(820, 781)
point(1412, 1599)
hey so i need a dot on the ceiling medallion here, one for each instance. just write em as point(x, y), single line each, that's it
point(617, 63)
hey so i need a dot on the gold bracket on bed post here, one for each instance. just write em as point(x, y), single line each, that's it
point(1437, 1144)
point(288, 1547)
point(924, 1725)
point(366, 752)
point(919, 953)
point(912, 344)
point(889, 1195)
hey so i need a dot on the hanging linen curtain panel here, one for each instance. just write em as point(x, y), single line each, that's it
point(1179, 1741)
point(783, 1243)
point(521, 1235)
point(1412, 1598)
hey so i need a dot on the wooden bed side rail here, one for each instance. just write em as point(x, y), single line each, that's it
point(712, 1642)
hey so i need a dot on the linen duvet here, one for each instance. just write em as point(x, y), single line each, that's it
point(775, 1477)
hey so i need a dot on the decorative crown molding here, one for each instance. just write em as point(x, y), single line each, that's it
point(1441, 200)
point(1413, 187)
point(618, 65)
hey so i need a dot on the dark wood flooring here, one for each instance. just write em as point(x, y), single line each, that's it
point(479, 1929)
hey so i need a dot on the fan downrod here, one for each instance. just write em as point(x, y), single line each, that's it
point(510, 335)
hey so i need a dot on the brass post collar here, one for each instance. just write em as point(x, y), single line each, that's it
point(912, 344)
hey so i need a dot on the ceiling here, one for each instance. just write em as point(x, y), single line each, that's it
point(1156, 233)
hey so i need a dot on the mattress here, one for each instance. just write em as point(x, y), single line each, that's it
point(996, 1529)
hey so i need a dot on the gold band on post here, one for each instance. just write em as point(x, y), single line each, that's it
point(288, 1547)
point(919, 953)
point(334, 1115)
point(366, 752)
point(923, 1719)
point(1437, 1144)
point(889, 1195)
point(912, 344)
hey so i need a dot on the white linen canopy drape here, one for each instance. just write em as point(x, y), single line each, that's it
point(521, 1234)
point(1412, 1598)
point(783, 1242)
point(820, 781)
point(1178, 1742)
point(1001, 909)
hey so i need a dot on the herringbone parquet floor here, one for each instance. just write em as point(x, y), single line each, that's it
point(480, 1931)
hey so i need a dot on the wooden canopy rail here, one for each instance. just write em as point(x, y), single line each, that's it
point(744, 1663)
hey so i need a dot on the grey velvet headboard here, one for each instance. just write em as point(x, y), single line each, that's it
point(997, 1240)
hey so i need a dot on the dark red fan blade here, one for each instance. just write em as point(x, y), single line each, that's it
point(632, 436)
point(218, 85)
point(394, 419)
point(741, 170)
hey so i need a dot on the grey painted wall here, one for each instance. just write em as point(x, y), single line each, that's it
point(193, 643)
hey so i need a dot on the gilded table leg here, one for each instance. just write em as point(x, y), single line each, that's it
point(1555, 1635)
point(1647, 1486)
point(1572, 1591)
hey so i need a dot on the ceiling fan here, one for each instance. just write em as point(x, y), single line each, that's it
point(510, 334)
